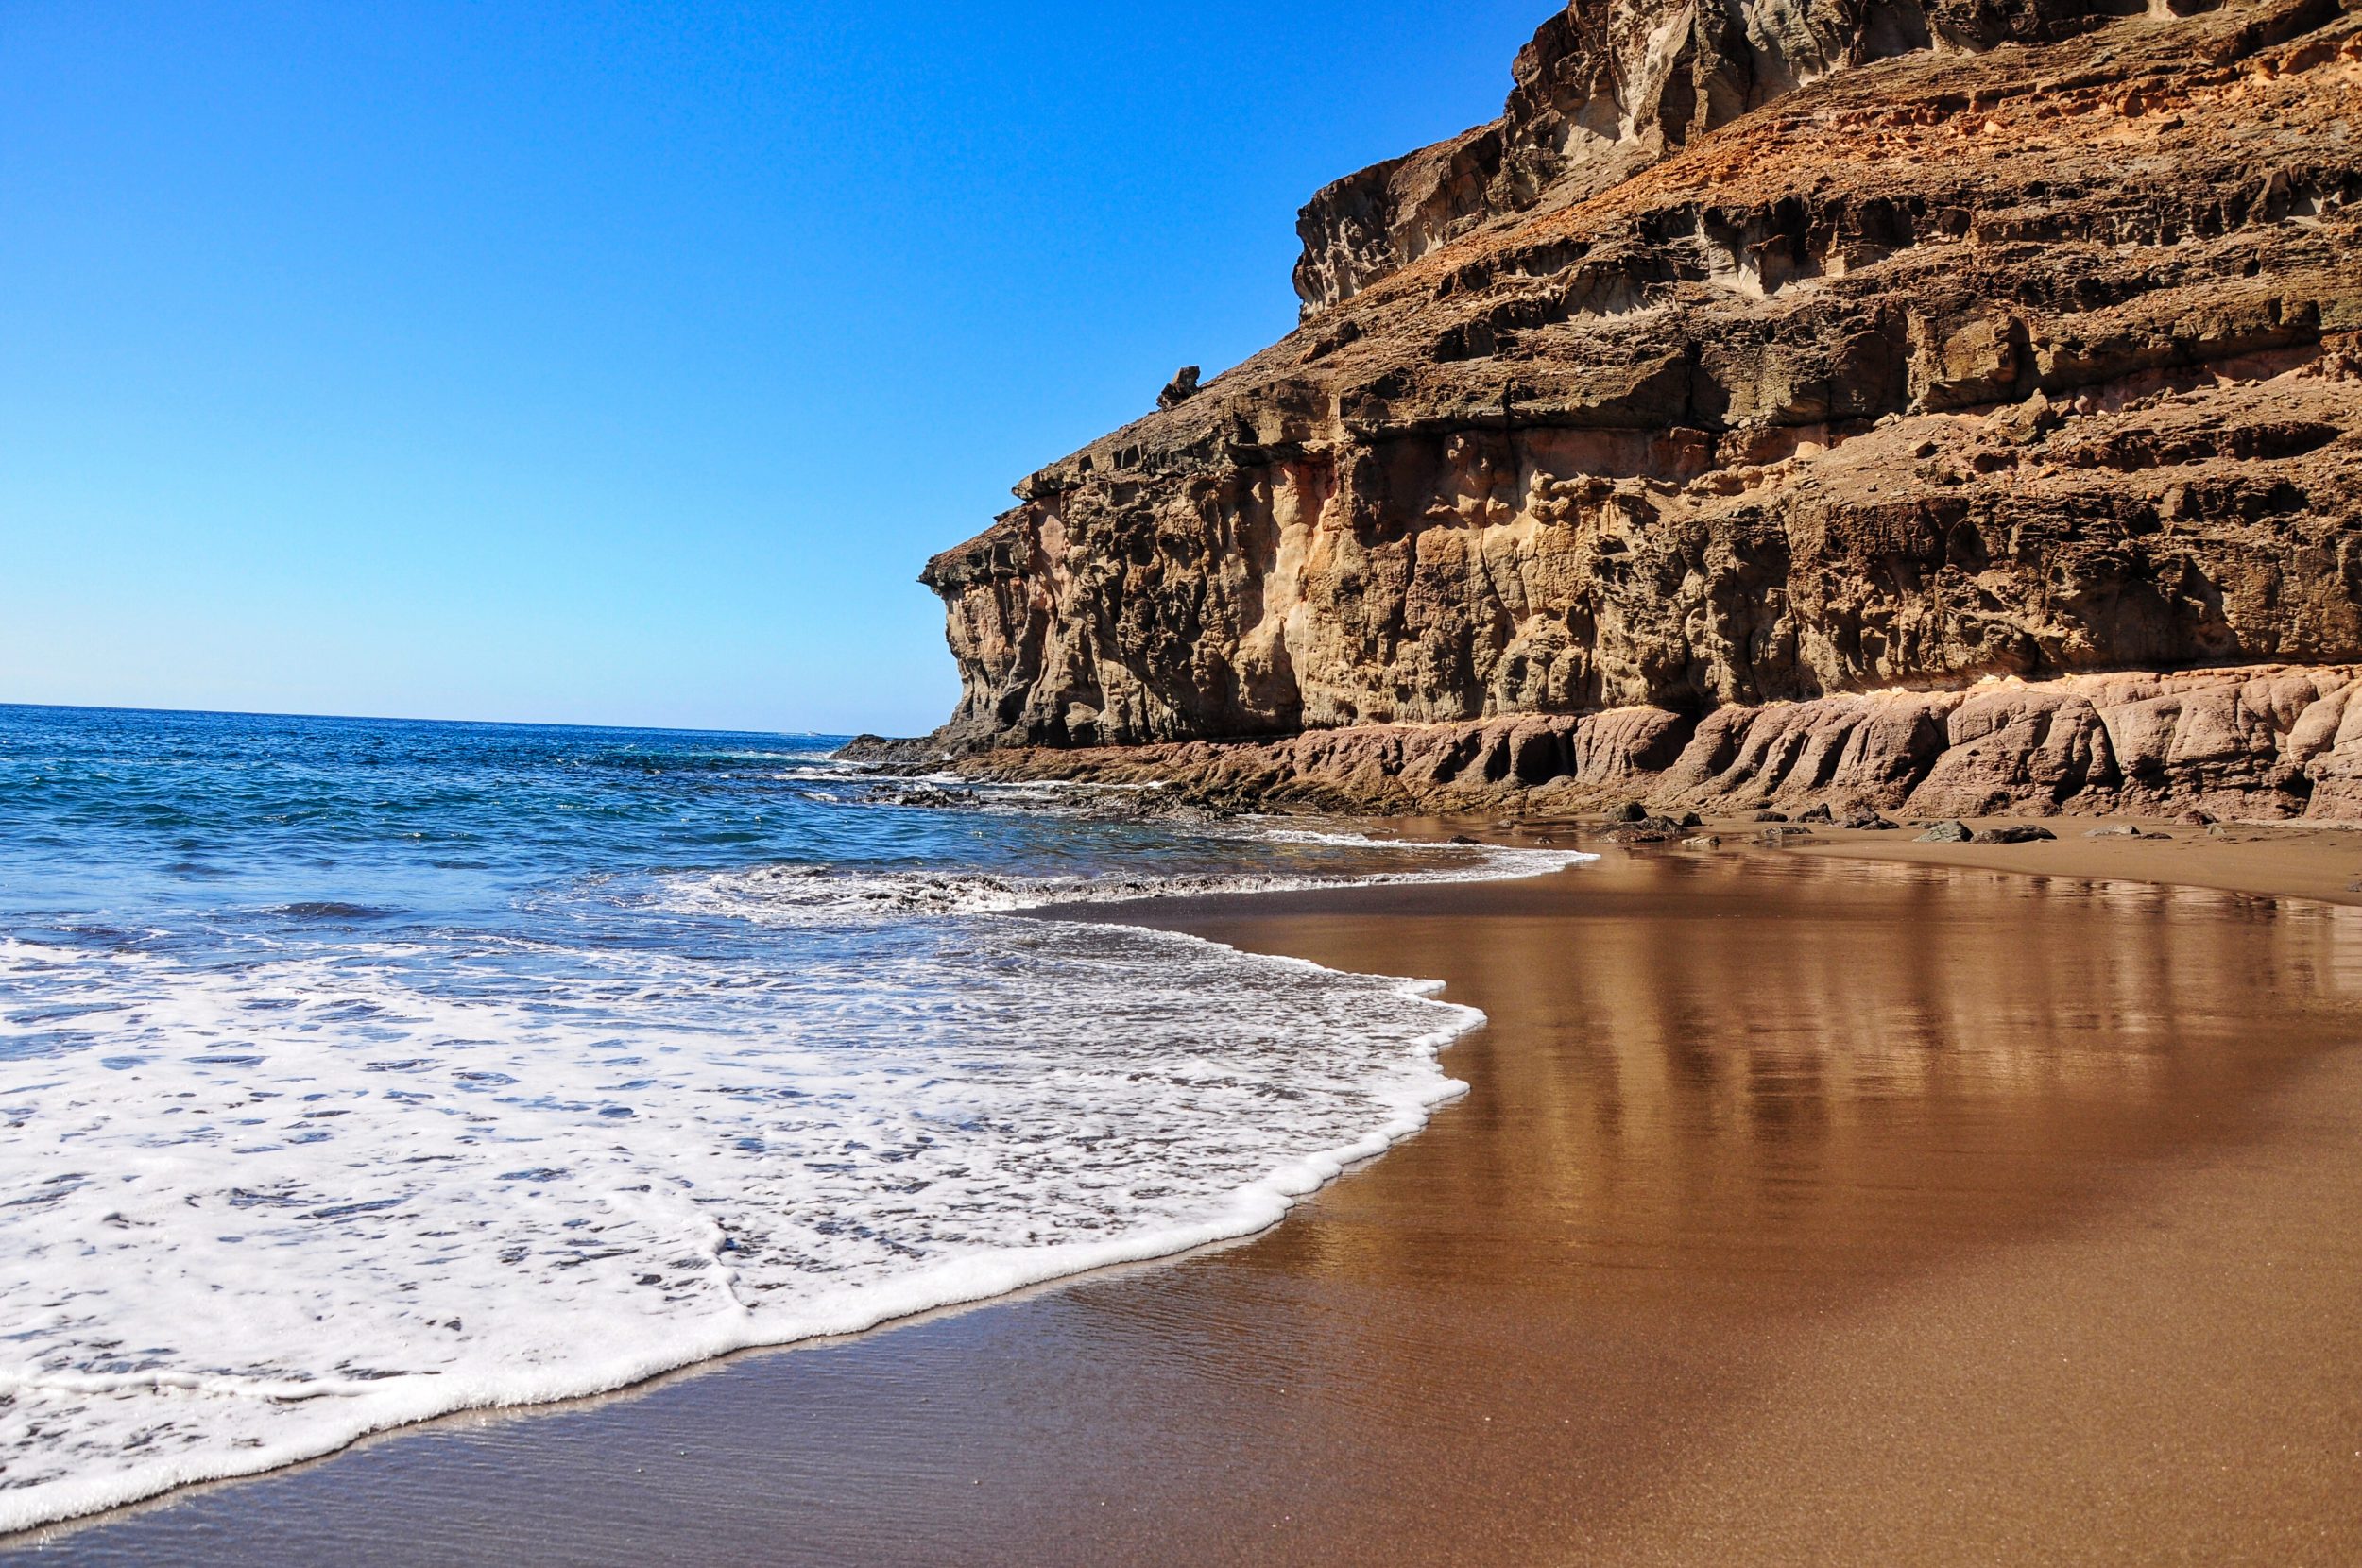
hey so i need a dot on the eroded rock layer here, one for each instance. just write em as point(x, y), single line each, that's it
point(1605, 90)
point(1763, 354)
point(2257, 742)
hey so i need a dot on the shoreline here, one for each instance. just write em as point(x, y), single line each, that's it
point(2314, 862)
point(2319, 863)
point(1368, 923)
point(1251, 1209)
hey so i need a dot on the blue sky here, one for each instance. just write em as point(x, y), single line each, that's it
point(619, 362)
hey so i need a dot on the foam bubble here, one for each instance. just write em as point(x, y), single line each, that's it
point(356, 1073)
point(820, 895)
point(265, 1203)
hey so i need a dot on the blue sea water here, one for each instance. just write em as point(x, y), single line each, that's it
point(356, 1071)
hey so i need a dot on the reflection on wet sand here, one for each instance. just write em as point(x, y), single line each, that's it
point(1719, 1068)
point(1784, 1190)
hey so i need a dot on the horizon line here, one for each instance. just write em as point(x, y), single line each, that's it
point(414, 718)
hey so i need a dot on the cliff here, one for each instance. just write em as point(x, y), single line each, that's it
point(1605, 90)
point(1758, 354)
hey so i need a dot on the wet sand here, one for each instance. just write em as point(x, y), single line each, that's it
point(2275, 859)
point(1803, 1208)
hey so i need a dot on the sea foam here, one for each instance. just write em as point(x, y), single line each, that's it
point(261, 1204)
point(828, 895)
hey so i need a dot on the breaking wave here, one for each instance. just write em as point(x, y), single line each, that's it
point(366, 1072)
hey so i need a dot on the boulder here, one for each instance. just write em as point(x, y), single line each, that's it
point(1180, 390)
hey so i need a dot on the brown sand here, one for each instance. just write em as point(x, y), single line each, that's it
point(2285, 859)
point(1804, 1209)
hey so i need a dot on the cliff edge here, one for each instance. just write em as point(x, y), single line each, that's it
point(1766, 354)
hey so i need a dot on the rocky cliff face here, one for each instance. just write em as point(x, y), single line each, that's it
point(1764, 352)
point(1606, 90)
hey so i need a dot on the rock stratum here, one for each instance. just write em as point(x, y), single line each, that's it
point(1954, 404)
point(2269, 741)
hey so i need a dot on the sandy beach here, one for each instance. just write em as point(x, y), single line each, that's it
point(1806, 1207)
point(1569, 783)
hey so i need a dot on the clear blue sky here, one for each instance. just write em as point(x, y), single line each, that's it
point(619, 362)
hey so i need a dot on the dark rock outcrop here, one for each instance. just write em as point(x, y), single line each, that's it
point(1765, 366)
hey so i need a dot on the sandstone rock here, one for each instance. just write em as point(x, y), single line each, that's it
point(1532, 764)
point(1624, 745)
point(2016, 833)
point(1703, 840)
point(1623, 447)
point(1853, 403)
point(1180, 390)
point(1778, 837)
point(1947, 832)
point(1603, 90)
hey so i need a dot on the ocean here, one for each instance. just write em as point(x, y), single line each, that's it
point(358, 1071)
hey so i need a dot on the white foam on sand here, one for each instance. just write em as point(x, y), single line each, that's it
point(825, 895)
point(260, 1205)
point(255, 1209)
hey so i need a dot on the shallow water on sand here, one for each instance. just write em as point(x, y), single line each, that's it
point(1800, 1211)
point(355, 1072)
